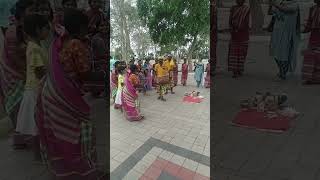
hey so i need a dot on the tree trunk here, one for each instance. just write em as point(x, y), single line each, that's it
point(124, 32)
point(257, 16)
point(190, 52)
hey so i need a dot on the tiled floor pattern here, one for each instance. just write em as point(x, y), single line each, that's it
point(177, 131)
point(155, 156)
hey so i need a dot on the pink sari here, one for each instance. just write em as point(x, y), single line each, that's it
point(63, 120)
point(184, 74)
point(130, 103)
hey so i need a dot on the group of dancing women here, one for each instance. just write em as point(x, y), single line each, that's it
point(129, 79)
point(285, 38)
point(45, 69)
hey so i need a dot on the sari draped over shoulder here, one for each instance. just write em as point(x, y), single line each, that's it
point(184, 73)
point(238, 46)
point(63, 119)
point(130, 102)
point(311, 63)
point(12, 71)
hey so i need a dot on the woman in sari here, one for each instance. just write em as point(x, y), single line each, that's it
point(154, 74)
point(175, 73)
point(13, 67)
point(311, 64)
point(199, 70)
point(130, 101)
point(184, 72)
point(142, 77)
point(207, 82)
point(238, 47)
point(114, 81)
point(285, 35)
point(67, 135)
point(147, 69)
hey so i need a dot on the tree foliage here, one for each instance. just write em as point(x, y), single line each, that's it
point(127, 31)
point(175, 23)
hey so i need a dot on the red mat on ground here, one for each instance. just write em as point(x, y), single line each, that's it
point(192, 99)
point(260, 121)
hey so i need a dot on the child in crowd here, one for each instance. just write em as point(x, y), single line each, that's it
point(36, 28)
point(118, 101)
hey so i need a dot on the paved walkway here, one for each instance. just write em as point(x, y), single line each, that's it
point(243, 154)
point(173, 140)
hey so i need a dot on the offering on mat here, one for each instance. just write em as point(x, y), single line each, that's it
point(193, 94)
point(264, 102)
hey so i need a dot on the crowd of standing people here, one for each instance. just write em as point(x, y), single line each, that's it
point(129, 79)
point(49, 59)
point(285, 38)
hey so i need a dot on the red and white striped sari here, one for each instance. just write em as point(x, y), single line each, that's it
point(238, 47)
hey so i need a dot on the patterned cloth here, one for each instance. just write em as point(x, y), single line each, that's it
point(184, 74)
point(130, 102)
point(237, 56)
point(12, 72)
point(63, 117)
point(311, 63)
point(238, 47)
point(75, 58)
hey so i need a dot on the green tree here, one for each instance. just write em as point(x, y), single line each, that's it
point(175, 23)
